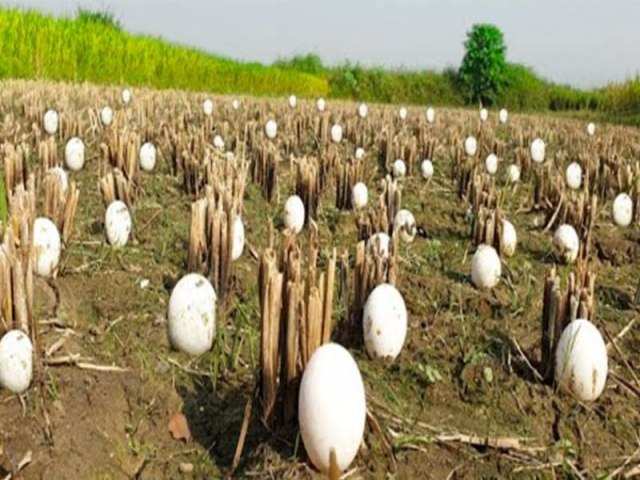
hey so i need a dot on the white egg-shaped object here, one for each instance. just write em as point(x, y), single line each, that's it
point(591, 129)
point(426, 168)
point(484, 114)
point(513, 173)
point(321, 104)
point(117, 223)
point(622, 210)
point(336, 133)
point(50, 122)
point(74, 154)
point(491, 164)
point(359, 195)
point(218, 142)
point(359, 153)
point(566, 243)
point(126, 96)
point(379, 240)
point(431, 115)
point(363, 110)
point(405, 224)
point(485, 267)
point(402, 113)
point(384, 322)
point(238, 239)
point(399, 168)
point(294, 213)
point(147, 157)
point(192, 314)
point(331, 407)
point(207, 107)
point(581, 361)
point(503, 115)
point(574, 176)
point(509, 239)
point(106, 116)
point(47, 246)
point(470, 145)
point(293, 101)
point(62, 178)
point(271, 128)
point(16, 361)
point(235, 104)
point(538, 150)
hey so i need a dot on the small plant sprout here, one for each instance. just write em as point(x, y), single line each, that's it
point(331, 408)
point(405, 224)
point(513, 173)
point(271, 128)
point(402, 113)
point(47, 246)
point(581, 365)
point(399, 168)
point(147, 157)
point(426, 168)
point(591, 129)
point(384, 322)
point(359, 195)
point(207, 107)
point(321, 104)
point(192, 314)
point(117, 221)
point(470, 145)
point(294, 214)
point(509, 239)
point(503, 116)
point(235, 104)
point(126, 96)
point(74, 154)
point(574, 176)
point(622, 210)
point(491, 164)
point(485, 267)
point(218, 142)
point(359, 153)
point(431, 115)
point(380, 241)
point(106, 116)
point(293, 101)
point(566, 243)
point(484, 114)
point(363, 110)
point(238, 239)
point(336, 133)
point(50, 122)
point(16, 361)
point(538, 150)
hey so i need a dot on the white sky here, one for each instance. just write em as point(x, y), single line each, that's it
point(586, 43)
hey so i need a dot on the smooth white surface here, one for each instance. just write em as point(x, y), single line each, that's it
point(16, 361)
point(384, 322)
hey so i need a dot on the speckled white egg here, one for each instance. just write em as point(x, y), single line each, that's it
point(509, 239)
point(47, 246)
point(16, 361)
point(336, 133)
point(106, 116)
point(192, 314)
point(426, 168)
point(485, 267)
point(384, 322)
point(126, 96)
point(363, 110)
point(218, 142)
point(402, 113)
point(513, 173)
point(147, 157)
point(538, 150)
point(62, 177)
point(238, 239)
point(491, 164)
point(50, 122)
point(581, 361)
point(503, 115)
point(235, 104)
point(359, 153)
point(293, 101)
point(207, 107)
point(380, 241)
point(359, 195)
point(574, 176)
point(331, 407)
point(566, 243)
point(484, 114)
point(431, 115)
point(622, 210)
point(74, 154)
point(321, 104)
point(405, 224)
point(271, 128)
point(399, 168)
point(294, 213)
point(117, 221)
point(591, 129)
point(470, 145)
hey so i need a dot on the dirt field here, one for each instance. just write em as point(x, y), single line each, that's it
point(462, 370)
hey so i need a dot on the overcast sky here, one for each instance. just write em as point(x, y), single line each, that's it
point(582, 42)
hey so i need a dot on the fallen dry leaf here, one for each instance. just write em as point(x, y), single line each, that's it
point(179, 428)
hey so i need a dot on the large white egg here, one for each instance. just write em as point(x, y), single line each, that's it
point(321, 104)
point(503, 115)
point(218, 142)
point(538, 150)
point(485, 267)
point(574, 176)
point(484, 114)
point(74, 154)
point(271, 128)
point(379, 240)
point(431, 115)
point(235, 104)
point(513, 172)
point(125, 96)
point(336, 133)
point(426, 167)
point(147, 157)
point(470, 145)
point(16, 361)
point(331, 407)
point(363, 110)
point(117, 222)
point(192, 314)
point(405, 224)
point(238, 239)
point(106, 116)
point(47, 246)
point(359, 195)
point(491, 163)
point(359, 153)
point(402, 113)
point(293, 101)
point(566, 243)
point(399, 168)
point(50, 122)
point(62, 178)
point(623, 210)
point(509, 239)
point(384, 322)
point(294, 213)
point(207, 107)
point(591, 129)
point(581, 361)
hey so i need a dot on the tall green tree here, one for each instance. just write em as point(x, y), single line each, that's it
point(484, 67)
